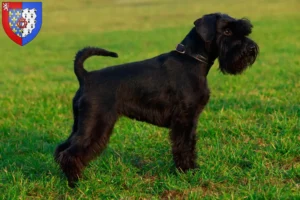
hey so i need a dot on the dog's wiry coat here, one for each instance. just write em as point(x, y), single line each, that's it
point(169, 90)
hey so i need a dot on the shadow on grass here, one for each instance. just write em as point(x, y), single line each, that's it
point(32, 158)
point(30, 155)
point(141, 162)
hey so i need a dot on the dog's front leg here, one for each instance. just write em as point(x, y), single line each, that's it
point(183, 138)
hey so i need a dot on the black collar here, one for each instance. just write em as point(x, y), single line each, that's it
point(180, 48)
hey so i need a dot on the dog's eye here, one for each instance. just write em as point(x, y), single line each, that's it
point(227, 32)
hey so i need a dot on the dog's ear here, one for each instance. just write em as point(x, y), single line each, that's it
point(206, 26)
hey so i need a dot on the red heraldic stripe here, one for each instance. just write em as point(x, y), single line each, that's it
point(5, 21)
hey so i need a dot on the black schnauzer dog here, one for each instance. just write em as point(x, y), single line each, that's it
point(169, 90)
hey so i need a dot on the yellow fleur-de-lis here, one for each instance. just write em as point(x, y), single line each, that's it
point(10, 24)
point(14, 19)
point(10, 13)
point(18, 13)
point(14, 30)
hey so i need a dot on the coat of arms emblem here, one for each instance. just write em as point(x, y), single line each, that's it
point(22, 21)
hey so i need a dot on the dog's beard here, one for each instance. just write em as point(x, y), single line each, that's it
point(237, 59)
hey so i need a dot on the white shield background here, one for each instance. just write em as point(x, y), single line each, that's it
point(29, 15)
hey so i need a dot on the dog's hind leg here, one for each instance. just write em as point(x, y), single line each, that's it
point(94, 130)
point(61, 147)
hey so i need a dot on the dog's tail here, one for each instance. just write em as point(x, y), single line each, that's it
point(85, 53)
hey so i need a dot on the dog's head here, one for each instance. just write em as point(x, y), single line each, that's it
point(228, 39)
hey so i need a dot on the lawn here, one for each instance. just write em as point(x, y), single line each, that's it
point(248, 135)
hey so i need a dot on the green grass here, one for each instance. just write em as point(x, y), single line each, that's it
point(249, 133)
